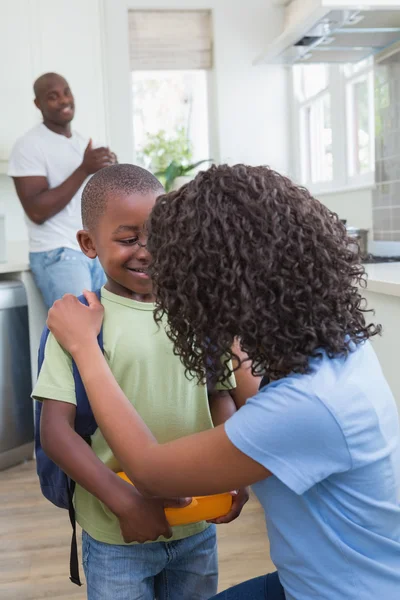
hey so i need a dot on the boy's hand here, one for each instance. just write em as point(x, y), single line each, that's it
point(143, 519)
point(240, 497)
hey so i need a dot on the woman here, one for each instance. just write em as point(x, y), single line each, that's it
point(242, 252)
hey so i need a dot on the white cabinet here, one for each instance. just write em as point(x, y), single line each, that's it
point(37, 36)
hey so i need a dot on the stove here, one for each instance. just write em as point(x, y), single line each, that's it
point(371, 259)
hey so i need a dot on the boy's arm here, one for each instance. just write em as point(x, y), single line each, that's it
point(247, 385)
point(221, 405)
point(75, 457)
point(141, 519)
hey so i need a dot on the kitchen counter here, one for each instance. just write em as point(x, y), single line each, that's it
point(383, 299)
point(17, 268)
point(17, 258)
point(384, 278)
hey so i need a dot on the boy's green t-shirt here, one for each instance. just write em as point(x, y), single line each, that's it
point(141, 358)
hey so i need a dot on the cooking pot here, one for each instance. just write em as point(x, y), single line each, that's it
point(360, 238)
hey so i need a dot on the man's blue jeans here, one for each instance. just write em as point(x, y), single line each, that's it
point(65, 271)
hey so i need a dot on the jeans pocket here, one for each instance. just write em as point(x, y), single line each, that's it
point(53, 257)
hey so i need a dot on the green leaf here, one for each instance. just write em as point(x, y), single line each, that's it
point(189, 168)
point(173, 171)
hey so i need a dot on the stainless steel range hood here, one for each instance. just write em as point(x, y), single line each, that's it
point(323, 34)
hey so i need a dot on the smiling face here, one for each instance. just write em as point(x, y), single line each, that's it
point(55, 101)
point(119, 240)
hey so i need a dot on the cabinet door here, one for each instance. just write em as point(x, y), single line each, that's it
point(17, 111)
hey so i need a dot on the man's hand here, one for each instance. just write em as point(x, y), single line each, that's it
point(240, 497)
point(143, 519)
point(96, 159)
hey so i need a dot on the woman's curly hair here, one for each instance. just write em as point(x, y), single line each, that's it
point(243, 252)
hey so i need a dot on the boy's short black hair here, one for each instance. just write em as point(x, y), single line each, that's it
point(125, 178)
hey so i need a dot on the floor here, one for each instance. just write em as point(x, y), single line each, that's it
point(35, 538)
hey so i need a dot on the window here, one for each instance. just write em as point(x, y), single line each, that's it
point(334, 125)
point(170, 110)
point(171, 57)
point(312, 91)
point(360, 119)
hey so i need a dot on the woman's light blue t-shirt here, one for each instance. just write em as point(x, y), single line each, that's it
point(331, 439)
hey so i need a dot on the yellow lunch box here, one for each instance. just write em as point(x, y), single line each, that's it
point(201, 508)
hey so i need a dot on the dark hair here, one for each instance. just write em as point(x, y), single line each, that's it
point(244, 252)
point(114, 180)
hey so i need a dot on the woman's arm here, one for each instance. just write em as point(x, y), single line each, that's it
point(200, 464)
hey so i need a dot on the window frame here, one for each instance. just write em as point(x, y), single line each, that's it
point(364, 74)
point(337, 87)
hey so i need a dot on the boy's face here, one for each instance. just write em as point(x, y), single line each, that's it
point(119, 240)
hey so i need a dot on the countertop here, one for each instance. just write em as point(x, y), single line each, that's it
point(384, 278)
point(17, 258)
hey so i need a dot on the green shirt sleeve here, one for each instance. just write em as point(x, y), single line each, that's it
point(56, 380)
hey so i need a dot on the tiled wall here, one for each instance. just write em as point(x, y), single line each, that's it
point(386, 197)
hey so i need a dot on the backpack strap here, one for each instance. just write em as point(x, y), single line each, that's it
point(85, 428)
point(86, 425)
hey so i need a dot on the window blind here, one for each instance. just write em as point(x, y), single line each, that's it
point(170, 39)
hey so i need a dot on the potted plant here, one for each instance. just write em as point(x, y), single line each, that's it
point(169, 157)
point(176, 175)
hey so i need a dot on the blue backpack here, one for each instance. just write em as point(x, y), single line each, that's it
point(56, 486)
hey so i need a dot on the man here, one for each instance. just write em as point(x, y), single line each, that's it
point(49, 166)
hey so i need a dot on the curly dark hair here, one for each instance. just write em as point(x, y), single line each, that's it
point(243, 252)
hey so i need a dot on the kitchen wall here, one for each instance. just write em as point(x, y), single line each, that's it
point(38, 36)
point(386, 198)
point(249, 104)
point(88, 43)
point(355, 206)
point(11, 207)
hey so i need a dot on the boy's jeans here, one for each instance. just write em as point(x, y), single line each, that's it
point(65, 271)
point(183, 570)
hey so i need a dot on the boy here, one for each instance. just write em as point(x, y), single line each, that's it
point(116, 204)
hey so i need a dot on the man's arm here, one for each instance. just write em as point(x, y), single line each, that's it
point(41, 203)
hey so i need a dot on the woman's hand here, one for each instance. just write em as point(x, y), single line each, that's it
point(75, 325)
point(240, 497)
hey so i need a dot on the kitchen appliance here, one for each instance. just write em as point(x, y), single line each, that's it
point(16, 406)
point(325, 31)
point(360, 237)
